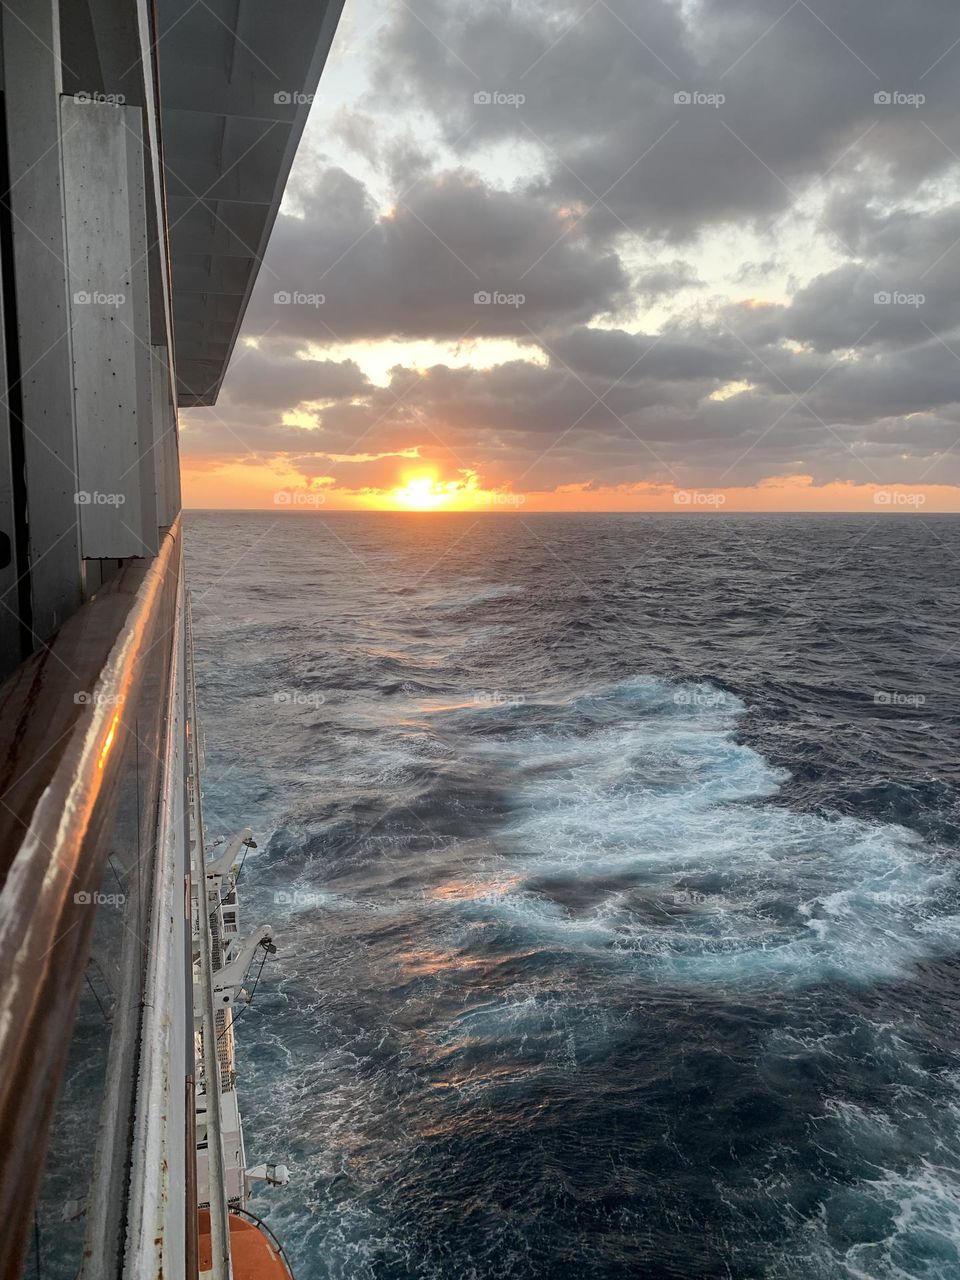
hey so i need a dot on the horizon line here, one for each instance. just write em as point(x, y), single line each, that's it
point(697, 513)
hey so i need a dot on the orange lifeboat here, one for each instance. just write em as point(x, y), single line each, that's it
point(255, 1251)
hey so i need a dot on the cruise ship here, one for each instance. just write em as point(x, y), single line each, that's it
point(145, 149)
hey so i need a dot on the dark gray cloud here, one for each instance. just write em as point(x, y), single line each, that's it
point(673, 356)
point(343, 272)
point(275, 374)
point(599, 86)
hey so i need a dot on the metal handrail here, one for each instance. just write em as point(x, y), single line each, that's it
point(261, 1225)
point(221, 1266)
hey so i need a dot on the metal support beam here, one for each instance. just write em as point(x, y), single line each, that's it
point(12, 648)
point(106, 248)
point(166, 444)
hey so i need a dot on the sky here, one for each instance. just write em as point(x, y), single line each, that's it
point(609, 255)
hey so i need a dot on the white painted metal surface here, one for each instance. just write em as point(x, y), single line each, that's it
point(106, 234)
point(215, 1170)
point(156, 1232)
point(166, 450)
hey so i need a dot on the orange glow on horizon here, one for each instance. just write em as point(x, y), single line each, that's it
point(424, 490)
point(421, 492)
point(229, 485)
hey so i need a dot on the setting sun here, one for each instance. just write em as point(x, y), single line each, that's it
point(425, 491)
point(421, 492)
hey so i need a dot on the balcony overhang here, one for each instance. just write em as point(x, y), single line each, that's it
point(237, 78)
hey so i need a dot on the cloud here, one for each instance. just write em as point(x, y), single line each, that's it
point(559, 423)
point(666, 279)
point(345, 272)
point(723, 240)
point(600, 87)
point(277, 376)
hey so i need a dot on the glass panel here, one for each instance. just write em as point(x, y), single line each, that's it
point(82, 1201)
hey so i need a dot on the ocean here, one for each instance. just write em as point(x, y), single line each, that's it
point(613, 863)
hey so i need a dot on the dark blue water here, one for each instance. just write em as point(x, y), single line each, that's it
point(614, 863)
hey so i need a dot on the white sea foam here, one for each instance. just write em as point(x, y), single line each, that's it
point(646, 780)
point(900, 1223)
point(896, 1213)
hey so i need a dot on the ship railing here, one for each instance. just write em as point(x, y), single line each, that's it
point(89, 832)
point(209, 959)
point(261, 1225)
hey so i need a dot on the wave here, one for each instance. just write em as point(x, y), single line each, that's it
point(647, 781)
point(468, 593)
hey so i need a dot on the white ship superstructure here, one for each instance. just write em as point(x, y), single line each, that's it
point(144, 149)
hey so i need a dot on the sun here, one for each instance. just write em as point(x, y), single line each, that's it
point(425, 489)
point(421, 492)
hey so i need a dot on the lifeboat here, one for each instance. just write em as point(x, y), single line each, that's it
point(255, 1252)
